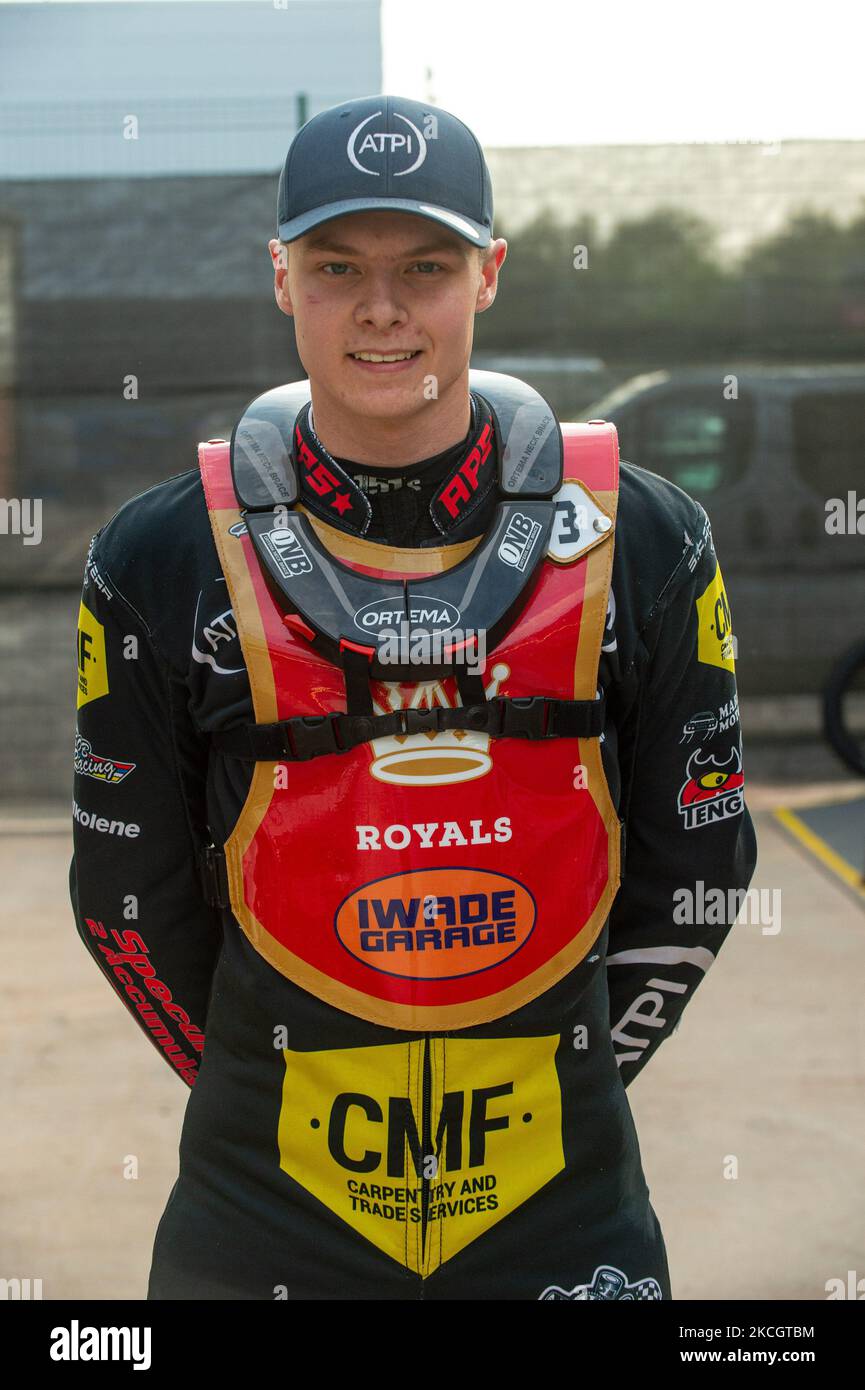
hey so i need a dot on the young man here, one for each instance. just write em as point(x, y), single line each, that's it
point(387, 879)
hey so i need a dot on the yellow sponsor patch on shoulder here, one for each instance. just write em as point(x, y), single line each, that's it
point(715, 642)
point(92, 665)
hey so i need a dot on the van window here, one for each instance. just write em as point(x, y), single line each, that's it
point(698, 440)
point(829, 441)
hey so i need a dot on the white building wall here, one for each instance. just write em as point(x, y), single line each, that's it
point(213, 87)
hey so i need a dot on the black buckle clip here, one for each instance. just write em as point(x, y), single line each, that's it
point(313, 734)
point(420, 721)
point(525, 716)
point(353, 729)
point(484, 719)
point(213, 882)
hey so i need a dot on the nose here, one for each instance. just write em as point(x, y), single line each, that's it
point(379, 302)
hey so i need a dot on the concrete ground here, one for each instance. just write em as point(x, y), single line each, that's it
point(767, 1069)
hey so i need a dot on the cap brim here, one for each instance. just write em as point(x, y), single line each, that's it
point(471, 231)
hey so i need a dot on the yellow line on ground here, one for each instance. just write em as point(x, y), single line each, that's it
point(824, 852)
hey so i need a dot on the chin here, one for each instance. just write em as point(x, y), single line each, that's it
point(378, 399)
point(386, 409)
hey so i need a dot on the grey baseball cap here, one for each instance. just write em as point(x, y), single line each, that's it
point(385, 152)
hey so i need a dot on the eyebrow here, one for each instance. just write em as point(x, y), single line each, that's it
point(324, 243)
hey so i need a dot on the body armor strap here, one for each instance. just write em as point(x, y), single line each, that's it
point(310, 736)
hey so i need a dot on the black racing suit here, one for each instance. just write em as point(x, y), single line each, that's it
point(161, 670)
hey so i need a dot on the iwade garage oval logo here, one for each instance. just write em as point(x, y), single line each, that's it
point(436, 924)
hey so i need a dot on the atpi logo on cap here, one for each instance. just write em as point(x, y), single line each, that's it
point(365, 143)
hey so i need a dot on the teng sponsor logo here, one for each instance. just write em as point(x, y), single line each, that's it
point(134, 955)
point(714, 789)
point(436, 924)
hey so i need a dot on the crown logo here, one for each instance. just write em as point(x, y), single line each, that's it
point(431, 759)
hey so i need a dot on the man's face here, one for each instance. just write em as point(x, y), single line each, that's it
point(385, 282)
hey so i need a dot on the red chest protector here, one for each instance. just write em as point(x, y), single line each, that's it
point(439, 879)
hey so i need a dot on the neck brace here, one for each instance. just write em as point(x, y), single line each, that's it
point(515, 447)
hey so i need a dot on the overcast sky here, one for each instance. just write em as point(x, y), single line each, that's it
point(543, 72)
point(549, 72)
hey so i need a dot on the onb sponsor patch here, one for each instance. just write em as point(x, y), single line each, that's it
point(288, 553)
point(518, 542)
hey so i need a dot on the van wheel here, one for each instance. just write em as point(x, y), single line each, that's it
point(846, 675)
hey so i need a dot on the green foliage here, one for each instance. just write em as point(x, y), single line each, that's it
point(656, 287)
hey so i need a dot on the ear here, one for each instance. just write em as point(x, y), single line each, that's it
point(279, 257)
point(496, 253)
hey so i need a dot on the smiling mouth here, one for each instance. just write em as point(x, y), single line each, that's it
point(385, 356)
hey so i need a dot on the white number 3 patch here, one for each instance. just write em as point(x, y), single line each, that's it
point(580, 523)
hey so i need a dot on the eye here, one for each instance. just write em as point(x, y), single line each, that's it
point(339, 265)
point(435, 265)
